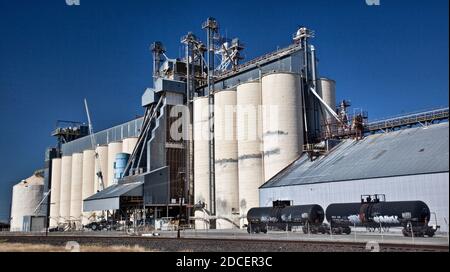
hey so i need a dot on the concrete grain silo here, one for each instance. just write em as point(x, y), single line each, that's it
point(327, 90)
point(26, 198)
point(201, 160)
point(55, 195)
point(282, 121)
point(88, 186)
point(76, 188)
point(128, 145)
point(66, 177)
point(102, 163)
point(249, 126)
point(226, 160)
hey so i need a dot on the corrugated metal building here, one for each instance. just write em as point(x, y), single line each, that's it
point(410, 164)
point(118, 133)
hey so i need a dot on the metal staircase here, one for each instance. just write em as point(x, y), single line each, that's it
point(149, 125)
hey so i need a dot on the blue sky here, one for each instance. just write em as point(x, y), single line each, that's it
point(389, 59)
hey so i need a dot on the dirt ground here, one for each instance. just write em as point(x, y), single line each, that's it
point(15, 247)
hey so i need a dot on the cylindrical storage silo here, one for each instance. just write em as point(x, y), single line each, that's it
point(101, 165)
point(327, 90)
point(66, 177)
point(26, 198)
point(282, 121)
point(249, 127)
point(76, 188)
point(201, 161)
point(113, 149)
point(226, 160)
point(55, 192)
point(88, 187)
point(119, 165)
point(128, 145)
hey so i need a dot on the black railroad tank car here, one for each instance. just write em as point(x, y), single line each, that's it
point(307, 216)
point(259, 218)
point(310, 217)
point(413, 216)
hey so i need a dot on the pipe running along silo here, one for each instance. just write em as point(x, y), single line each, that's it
point(249, 126)
point(226, 160)
point(76, 189)
point(101, 165)
point(88, 187)
point(327, 90)
point(128, 145)
point(55, 192)
point(282, 121)
point(201, 161)
point(66, 176)
point(25, 201)
point(113, 149)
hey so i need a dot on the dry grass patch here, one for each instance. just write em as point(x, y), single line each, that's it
point(16, 247)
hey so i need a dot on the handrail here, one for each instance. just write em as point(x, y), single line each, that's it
point(410, 114)
point(239, 69)
point(410, 118)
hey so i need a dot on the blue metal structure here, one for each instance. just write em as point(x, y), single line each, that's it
point(119, 165)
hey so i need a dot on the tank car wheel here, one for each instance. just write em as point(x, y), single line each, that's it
point(337, 231)
point(347, 230)
point(257, 230)
point(305, 230)
point(406, 233)
point(264, 231)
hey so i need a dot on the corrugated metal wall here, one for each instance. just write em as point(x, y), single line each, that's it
point(114, 134)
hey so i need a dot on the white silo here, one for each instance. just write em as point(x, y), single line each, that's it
point(226, 160)
point(282, 121)
point(102, 163)
point(26, 198)
point(327, 90)
point(201, 160)
point(66, 176)
point(88, 187)
point(76, 188)
point(128, 145)
point(114, 148)
point(249, 127)
point(56, 192)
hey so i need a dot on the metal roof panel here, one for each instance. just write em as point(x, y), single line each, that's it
point(404, 152)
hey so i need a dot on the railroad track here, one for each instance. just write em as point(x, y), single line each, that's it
point(166, 244)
